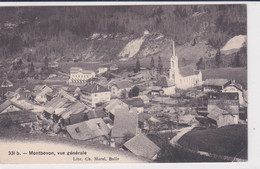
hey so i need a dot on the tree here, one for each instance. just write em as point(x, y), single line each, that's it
point(160, 66)
point(137, 66)
point(21, 75)
point(237, 62)
point(46, 62)
point(152, 63)
point(133, 92)
point(200, 64)
point(123, 94)
point(31, 67)
point(20, 62)
point(218, 58)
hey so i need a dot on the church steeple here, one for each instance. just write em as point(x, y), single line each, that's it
point(174, 69)
point(173, 49)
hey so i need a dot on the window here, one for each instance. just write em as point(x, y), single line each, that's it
point(77, 130)
point(98, 125)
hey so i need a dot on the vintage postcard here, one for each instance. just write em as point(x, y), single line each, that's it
point(160, 83)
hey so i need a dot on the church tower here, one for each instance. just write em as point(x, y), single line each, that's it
point(174, 67)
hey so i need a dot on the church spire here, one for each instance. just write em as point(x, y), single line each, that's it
point(173, 49)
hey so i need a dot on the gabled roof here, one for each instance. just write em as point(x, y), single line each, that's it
point(7, 83)
point(88, 129)
point(125, 123)
point(78, 69)
point(123, 84)
point(216, 82)
point(140, 145)
point(115, 104)
point(72, 109)
point(94, 88)
point(216, 112)
point(188, 71)
point(164, 82)
point(57, 102)
point(7, 103)
point(135, 102)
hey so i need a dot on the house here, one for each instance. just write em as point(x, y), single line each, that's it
point(114, 104)
point(73, 90)
point(80, 76)
point(135, 103)
point(92, 81)
point(94, 129)
point(113, 67)
point(96, 113)
point(102, 70)
point(167, 86)
point(184, 77)
point(9, 106)
point(234, 88)
point(221, 117)
point(157, 90)
point(40, 93)
point(11, 94)
point(145, 98)
point(26, 104)
point(63, 93)
point(119, 87)
point(7, 83)
point(94, 94)
point(187, 120)
point(125, 125)
point(53, 105)
point(224, 104)
point(74, 108)
point(142, 146)
point(215, 85)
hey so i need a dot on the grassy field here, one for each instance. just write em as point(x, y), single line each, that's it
point(237, 74)
point(227, 140)
point(170, 154)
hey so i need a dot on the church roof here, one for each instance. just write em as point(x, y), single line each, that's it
point(188, 71)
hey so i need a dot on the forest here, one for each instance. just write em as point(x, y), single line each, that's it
point(37, 32)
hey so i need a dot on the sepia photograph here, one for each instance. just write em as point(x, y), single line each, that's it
point(123, 84)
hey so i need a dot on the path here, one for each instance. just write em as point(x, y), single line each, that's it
point(180, 134)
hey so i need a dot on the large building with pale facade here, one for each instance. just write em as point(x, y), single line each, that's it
point(184, 77)
point(80, 76)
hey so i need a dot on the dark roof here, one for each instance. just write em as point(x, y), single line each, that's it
point(188, 71)
point(135, 102)
point(164, 82)
point(216, 82)
point(231, 106)
point(123, 84)
point(97, 113)
point(94, 88)
point(140, 145)
point(88, 129)
point(77, 118)
point(223, 96)
point(125, 123)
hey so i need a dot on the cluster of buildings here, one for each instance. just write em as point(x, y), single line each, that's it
point(113, 112)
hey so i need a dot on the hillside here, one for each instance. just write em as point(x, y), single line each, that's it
point(227, 140)
point(102, 33)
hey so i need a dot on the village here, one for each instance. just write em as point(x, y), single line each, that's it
point(123, 110)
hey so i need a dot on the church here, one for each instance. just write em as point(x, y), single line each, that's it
point(184, 77)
